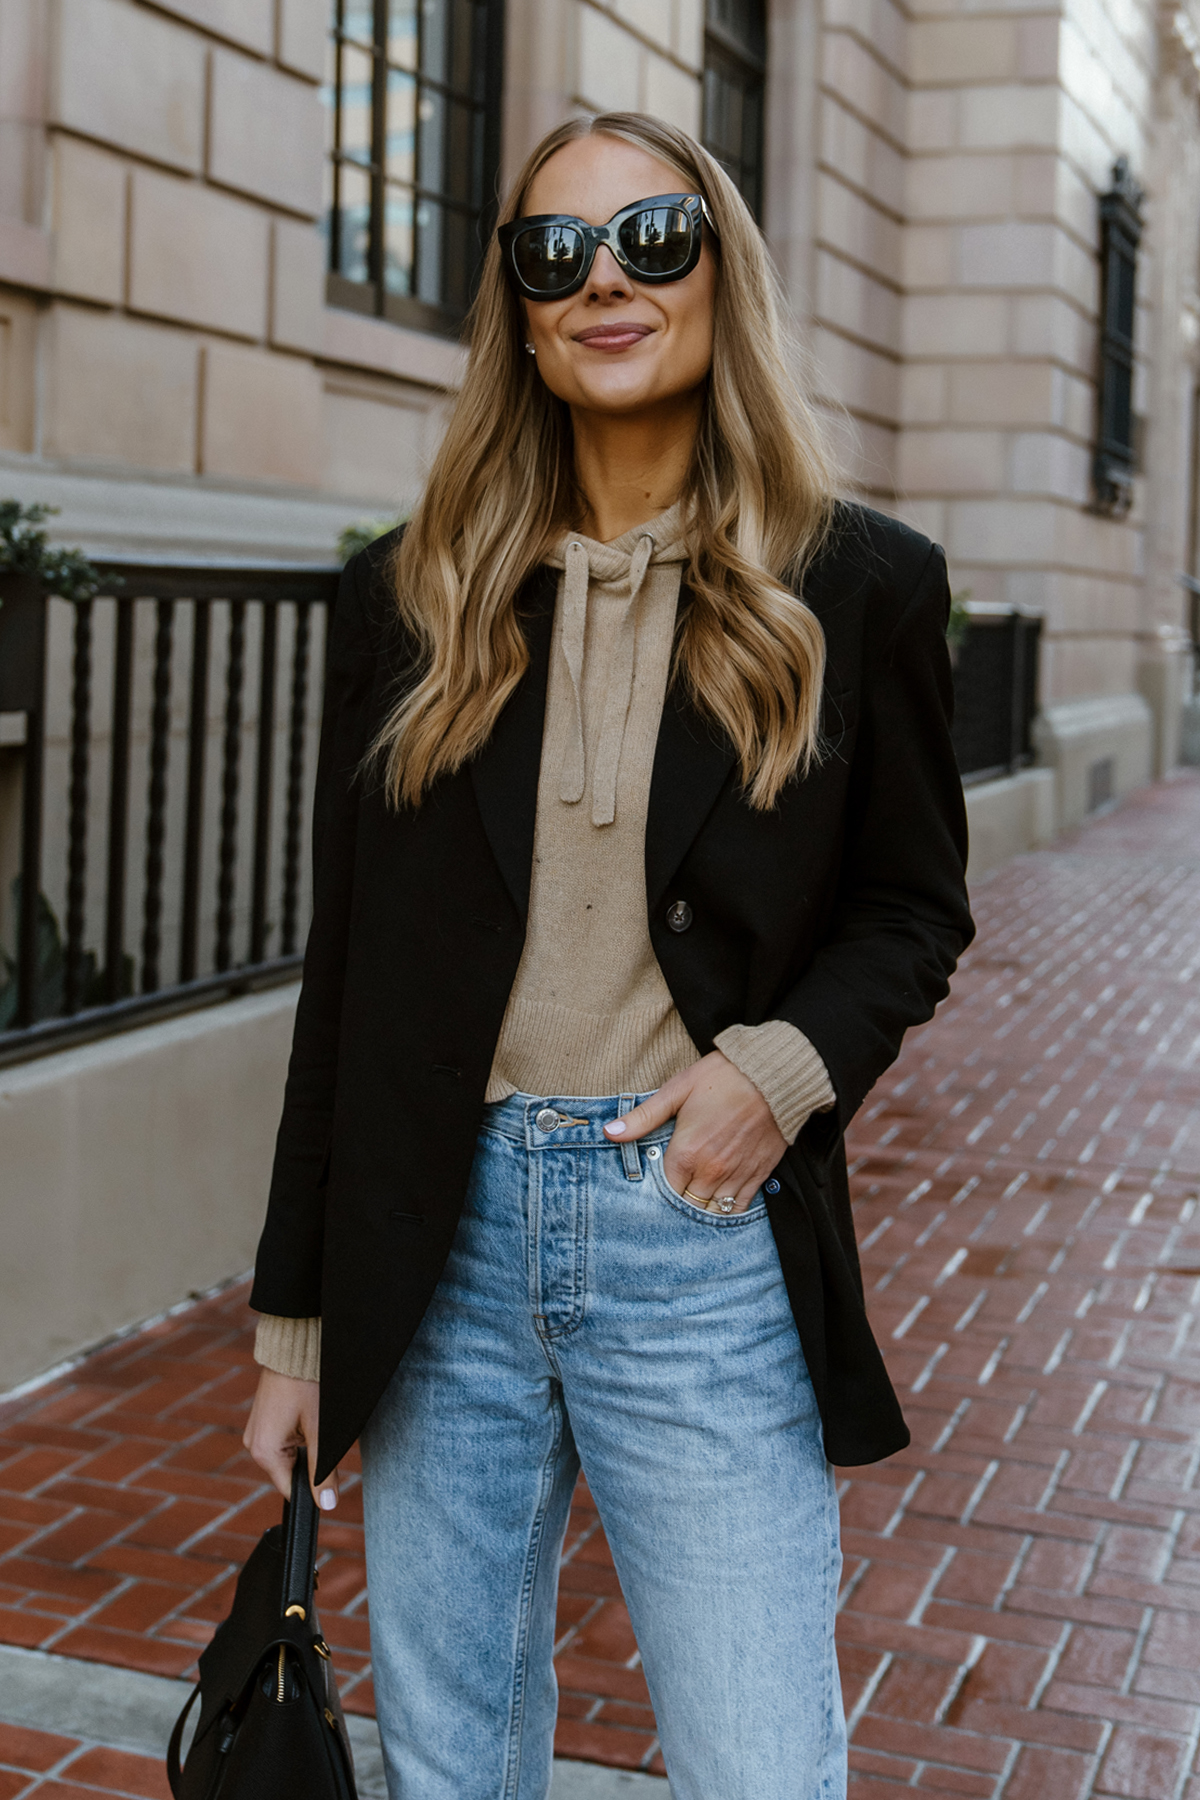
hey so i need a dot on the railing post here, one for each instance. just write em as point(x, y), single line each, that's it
point(23, 689)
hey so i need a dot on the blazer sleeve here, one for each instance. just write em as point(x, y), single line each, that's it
point(287, 1274)
point(902, 917)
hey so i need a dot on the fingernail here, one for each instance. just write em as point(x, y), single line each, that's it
point(327, 1499)
point(616, 1129)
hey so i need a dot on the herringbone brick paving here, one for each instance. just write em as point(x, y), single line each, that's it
point(1021, 1609)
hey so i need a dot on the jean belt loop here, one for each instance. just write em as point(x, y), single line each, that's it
point(629, 1152)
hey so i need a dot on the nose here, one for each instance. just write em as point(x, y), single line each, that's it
point(607, 278)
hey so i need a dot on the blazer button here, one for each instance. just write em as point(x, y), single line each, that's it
point(679, 915)
point(771, 1187)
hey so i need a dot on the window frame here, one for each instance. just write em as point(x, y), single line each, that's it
point(371, 296)
point(750, 60)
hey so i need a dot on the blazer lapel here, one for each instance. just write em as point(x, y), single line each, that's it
point(505, 773)
point(691, 764)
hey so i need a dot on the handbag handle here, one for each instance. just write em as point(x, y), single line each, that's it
point(299, 1541)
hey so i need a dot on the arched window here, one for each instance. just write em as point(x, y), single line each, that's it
point(414, 89)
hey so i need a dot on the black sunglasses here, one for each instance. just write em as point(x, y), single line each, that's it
point(550, 255)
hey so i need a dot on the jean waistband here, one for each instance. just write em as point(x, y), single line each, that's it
point(566, 1121)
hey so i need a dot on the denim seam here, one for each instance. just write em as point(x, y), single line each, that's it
point(512, 1773)
point(832, 1785)
point(547, 1332)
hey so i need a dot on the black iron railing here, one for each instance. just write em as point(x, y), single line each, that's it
point(182, 766)
point(995, 693)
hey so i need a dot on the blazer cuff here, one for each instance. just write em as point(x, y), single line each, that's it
point(784, 1067)
point(289, 1346)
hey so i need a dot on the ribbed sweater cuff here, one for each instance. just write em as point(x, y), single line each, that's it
point(289, 1346)
point(784, 1067)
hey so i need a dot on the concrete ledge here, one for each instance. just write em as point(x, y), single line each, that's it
point(135, 1173)
point(126, 1710)
point(1008, 816)
point(113, 513)
point(1100, 748)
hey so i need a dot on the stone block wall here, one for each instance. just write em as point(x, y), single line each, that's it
point(162, 276)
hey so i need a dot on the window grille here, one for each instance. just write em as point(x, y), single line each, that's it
point(413, 89)
point(735, 61)
point(1120, 234)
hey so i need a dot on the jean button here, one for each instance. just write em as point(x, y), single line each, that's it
point(547, 1119)
point(771, 1187)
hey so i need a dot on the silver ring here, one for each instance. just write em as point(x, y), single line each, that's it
point(726, 1203)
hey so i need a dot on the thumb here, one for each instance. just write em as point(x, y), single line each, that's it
point(652, 1113)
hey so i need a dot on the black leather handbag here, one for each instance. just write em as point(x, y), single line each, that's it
point(271, 1725)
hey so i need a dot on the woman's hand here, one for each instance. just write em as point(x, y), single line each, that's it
point(726, 1140)
point(284, 1416)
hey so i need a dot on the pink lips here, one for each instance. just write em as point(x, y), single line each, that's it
point(618, 334)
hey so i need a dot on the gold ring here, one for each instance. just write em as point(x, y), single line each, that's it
point(695, 1198)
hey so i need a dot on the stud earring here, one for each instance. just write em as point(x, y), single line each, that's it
point(532, 349)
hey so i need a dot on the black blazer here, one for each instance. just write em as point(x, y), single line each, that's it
point(843, 910)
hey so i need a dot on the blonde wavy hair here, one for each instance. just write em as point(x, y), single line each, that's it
point(502, 487)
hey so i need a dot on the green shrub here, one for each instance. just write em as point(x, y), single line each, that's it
point(27, 551)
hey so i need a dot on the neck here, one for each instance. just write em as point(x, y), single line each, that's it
point(632, 467)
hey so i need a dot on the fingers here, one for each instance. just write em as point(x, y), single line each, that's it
point(285, 1415)
point(652, 1113)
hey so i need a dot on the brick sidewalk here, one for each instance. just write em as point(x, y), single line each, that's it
point(39, 1764)
point(1021, 1614)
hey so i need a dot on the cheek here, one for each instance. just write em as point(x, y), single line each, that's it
point(694, 346)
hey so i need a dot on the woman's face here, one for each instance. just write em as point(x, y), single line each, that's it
point(616, 347)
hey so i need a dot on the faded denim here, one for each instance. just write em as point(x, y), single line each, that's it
point(589, 1313)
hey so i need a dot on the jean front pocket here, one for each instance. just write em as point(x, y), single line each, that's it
point(757, 1209)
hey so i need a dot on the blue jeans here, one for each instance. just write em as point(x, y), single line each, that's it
point(588, 1313)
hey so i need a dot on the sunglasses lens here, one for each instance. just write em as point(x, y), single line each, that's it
point(548, 257)
point(657, 240)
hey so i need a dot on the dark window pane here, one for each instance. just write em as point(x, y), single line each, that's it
point(352, 249)
point(356, 113)
point(459, 154)
point(462, 44)
point(435, 39)
point(398, 241)
point(743, 23)
point(432, 128)
point(733, 118)
point(430, 219)
point(460, 252)
point(400, 159)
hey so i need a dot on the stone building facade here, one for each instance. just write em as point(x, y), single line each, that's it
point(211, 346)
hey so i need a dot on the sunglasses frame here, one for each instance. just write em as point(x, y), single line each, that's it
point(694, 205)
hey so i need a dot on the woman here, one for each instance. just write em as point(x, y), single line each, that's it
point(639, 845)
